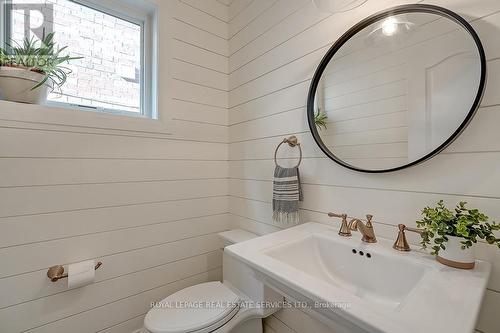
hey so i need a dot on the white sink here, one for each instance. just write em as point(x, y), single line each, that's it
point(365, 287)
point(381, 279)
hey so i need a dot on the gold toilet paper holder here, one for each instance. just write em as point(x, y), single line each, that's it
point(56, 273)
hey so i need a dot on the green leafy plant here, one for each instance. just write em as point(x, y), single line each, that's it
point(41, 56)
point(470, 224)
point(320, 119)
point(4, 58)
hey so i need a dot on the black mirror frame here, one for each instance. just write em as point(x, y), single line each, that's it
point(415, 8)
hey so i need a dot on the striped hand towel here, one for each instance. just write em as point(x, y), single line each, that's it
point(287, 193)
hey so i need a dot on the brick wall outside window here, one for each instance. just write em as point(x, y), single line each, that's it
point(109, 74)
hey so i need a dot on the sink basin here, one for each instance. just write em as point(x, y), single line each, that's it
point(365, 287)
point(376, 277)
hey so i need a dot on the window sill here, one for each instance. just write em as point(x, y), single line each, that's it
point(43, 116)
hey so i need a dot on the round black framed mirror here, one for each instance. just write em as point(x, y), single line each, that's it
point(397, 88)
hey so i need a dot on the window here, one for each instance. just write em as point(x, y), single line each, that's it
point(113, 37)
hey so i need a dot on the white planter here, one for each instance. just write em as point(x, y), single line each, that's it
point(16, 86)
point(454, 256)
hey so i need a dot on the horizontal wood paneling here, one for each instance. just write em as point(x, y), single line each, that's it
point(27, 229)
point(480, 135)
point(263, 23)
point(189, 111)
point(301, 70)
point(271, 66)
point(197, 55)
point(35, 143)
point(189, 33)
point(33, 285)
point(45, 199)
point(145, 201)
point(237, 7)
point(158, 200)
point(294, 24)
point(405, 205)
point(273, 81)
point(210, 7)
point(121, 310)
point(105, 243)
point(46, 171)
point(202, 94)
point(286, 99)
point(34, 313)
point(251, 225)
point(185, 12)
point(126, 326)
point(319, 171)
point(253, 10)
point(197, 131)
point(199, 75)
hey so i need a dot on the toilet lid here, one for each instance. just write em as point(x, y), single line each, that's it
point(200, 308)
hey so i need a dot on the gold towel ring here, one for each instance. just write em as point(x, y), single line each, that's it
point(292, 142)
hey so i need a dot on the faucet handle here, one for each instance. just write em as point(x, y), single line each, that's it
point(369, 218)
point(344, 228)
point(343, 216)
point(401, 244)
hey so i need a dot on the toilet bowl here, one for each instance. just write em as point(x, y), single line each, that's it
point(214, 306)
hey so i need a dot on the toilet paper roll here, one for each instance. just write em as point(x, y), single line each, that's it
point(81, 274)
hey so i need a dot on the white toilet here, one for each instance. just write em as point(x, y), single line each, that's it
point(232, 306)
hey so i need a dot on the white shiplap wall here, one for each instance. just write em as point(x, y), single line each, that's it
point(274, 48)
point(149, 204)
point(145, 203)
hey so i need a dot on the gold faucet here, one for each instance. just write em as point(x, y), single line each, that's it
point(344, 229)
point(365, 229)
point(401, 244)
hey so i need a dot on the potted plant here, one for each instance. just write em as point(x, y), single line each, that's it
point(28, 71)
point(453, 233)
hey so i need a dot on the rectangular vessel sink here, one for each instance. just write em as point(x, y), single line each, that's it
point(365, 287)
point(377, 278)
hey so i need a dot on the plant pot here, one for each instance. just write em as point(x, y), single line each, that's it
point(16, 86)
point(454, 256)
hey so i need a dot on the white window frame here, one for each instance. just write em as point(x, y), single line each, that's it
point(4, 24)
point(136, 12)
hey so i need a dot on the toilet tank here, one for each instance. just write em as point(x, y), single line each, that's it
point(235, 236)
point(241, 277)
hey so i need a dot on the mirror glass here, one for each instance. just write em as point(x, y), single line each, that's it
point(397, 91)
